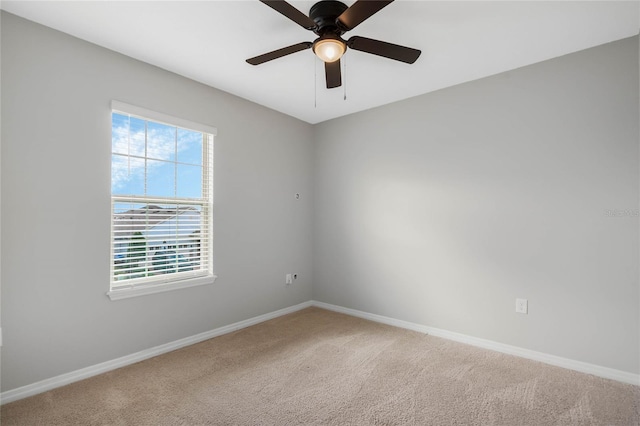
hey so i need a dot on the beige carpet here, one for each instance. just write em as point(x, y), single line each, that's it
point(322, 368)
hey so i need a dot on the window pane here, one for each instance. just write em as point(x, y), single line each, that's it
point(160, 178)
point(156, 230)
point(189, 147)
point(119, 133)
point(127, 175)
point(125, 224)
point(127, 135)
point(137, 137)
point(189, 181)
point(161, 141)
point(129, 242)
point(173, 239)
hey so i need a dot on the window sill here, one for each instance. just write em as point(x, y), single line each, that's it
point(125, 293)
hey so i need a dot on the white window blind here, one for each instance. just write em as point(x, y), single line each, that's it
point(161, 199)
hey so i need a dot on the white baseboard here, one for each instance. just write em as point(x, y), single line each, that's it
point(84, 373)
point(583, 367)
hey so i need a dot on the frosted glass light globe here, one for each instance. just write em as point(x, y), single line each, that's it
point(329, 49)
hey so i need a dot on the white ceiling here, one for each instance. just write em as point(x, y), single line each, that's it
point(208, 41)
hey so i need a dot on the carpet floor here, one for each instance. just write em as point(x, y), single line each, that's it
point(316, 367)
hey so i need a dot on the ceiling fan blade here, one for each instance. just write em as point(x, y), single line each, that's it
point(332, 71)
point(360, 11)
point(279, 53)
point(384, 49)
point(291, 12)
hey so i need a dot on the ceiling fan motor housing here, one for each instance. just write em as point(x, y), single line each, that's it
point(325, 14)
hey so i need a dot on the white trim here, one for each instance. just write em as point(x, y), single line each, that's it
point(372, 317)
point(139, 290)
point(583, 367)
point(84, 373)
point(161, 117)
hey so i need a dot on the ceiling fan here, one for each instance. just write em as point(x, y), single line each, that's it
point(329, 20)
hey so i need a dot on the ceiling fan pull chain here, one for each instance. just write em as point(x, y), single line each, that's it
point(345, 78)
point(315, 82)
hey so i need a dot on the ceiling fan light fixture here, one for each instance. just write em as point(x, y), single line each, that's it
point(329, 49)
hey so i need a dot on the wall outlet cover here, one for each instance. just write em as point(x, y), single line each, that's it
point(522, 306)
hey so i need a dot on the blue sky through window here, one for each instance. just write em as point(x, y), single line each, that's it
point(155, 159)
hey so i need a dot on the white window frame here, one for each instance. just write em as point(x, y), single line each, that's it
point(165, 282)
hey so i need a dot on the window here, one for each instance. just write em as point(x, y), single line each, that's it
point(161, 202)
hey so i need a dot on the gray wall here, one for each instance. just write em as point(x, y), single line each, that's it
point(56, 318)
point(445, 208)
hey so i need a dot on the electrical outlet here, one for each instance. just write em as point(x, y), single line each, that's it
point(288, 279)
point(522, 306)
